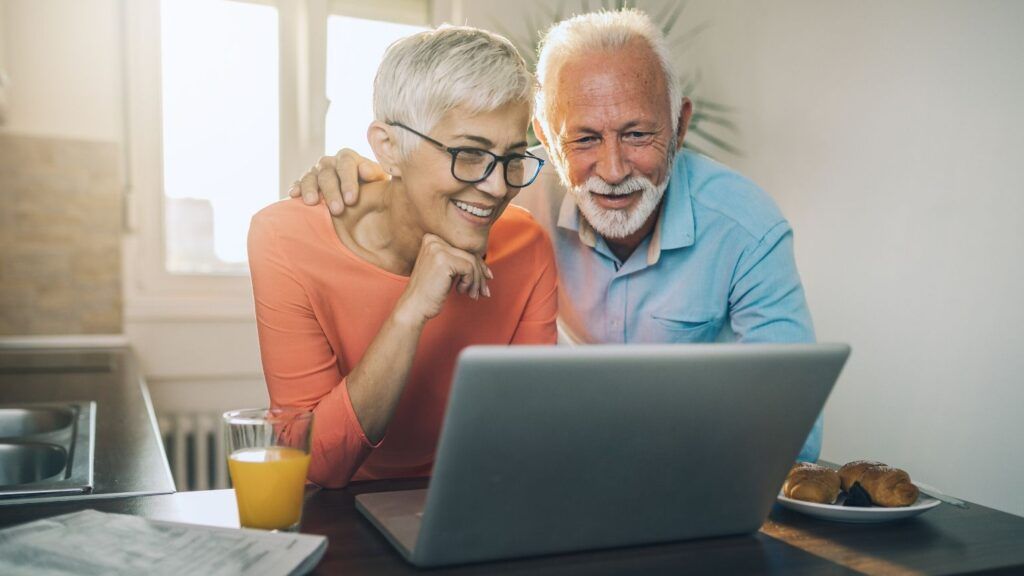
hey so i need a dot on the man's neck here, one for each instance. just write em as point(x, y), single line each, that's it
point(623, 248)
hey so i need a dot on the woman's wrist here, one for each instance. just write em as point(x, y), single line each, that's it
point(405, 315)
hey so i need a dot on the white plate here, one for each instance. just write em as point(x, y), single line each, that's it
point(840, 513)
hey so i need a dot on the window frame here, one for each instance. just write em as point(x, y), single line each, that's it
point(151, 292)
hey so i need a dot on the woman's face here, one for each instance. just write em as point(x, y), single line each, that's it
point(460, 213)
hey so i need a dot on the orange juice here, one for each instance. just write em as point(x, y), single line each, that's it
point(269, 485)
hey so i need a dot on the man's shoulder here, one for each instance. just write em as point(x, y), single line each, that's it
point(720, 190)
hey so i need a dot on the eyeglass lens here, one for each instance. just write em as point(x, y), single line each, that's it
point(474, 165)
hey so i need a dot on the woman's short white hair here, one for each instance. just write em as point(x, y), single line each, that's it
point(425, 75)
point(597, 31)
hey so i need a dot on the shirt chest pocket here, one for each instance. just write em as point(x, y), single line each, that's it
point(684, 326)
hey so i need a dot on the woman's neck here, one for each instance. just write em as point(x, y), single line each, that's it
point(381, 227)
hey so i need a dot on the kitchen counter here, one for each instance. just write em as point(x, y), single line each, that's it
point(945, 540)
point(129, 456)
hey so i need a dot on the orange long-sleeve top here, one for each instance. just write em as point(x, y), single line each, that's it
point(319, 306)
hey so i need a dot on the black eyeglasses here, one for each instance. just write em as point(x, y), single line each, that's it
point(472, 165)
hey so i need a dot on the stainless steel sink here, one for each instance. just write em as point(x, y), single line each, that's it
point(28, 462)
point(18, 422)
point(46, 449)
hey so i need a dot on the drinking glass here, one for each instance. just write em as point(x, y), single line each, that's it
point(268, 458)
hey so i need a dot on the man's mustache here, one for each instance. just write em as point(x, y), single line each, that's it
point(596, 185)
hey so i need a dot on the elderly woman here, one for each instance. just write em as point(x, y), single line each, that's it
point(361, 316)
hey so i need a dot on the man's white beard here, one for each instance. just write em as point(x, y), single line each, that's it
point(612, 223)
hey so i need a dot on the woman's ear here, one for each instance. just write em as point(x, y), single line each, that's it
point(385, 147)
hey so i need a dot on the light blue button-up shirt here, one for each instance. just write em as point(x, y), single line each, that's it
point(718, 266)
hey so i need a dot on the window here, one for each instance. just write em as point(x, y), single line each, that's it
point(227, 103)
point(355, 47)
point(220, 128)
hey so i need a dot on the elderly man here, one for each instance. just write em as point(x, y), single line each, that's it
point(654, 243)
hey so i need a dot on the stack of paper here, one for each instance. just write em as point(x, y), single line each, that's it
point(91, 542)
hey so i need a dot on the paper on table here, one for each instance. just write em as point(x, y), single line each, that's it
point(92, 542)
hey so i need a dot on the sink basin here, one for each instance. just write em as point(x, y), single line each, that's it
point(19, 422)
point(46, 449)
point(30, 462)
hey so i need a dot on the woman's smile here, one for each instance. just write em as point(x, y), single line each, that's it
point(476, 213)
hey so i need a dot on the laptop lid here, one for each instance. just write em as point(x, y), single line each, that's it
point(555, 449)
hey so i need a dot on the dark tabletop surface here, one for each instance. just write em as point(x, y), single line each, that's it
point(128, 454)
point(945, 540)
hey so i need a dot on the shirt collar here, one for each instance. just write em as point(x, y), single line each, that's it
point(677, 209)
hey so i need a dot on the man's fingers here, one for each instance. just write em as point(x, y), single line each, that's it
point(295, 191)
point(348, 176)
point(370, 171)
point(308, 189)
point(327, 181)
point(325, 163)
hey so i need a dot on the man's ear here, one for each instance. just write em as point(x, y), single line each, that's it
point(538, 129)
point(685, 113)
point(385, 147)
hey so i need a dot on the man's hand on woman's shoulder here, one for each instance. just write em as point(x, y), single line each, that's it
point(337, 178)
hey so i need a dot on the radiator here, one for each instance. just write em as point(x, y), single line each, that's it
point(194, 443)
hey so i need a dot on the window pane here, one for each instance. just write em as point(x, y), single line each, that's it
point(220, 128)
point(354, 50)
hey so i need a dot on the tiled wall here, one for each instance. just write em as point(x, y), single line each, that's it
point(60, 236)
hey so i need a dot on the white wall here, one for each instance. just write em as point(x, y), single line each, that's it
point(63, 60)
point(891, 134)
point(3, 35)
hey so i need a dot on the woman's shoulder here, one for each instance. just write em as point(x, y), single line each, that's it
point(289, 219)
point(516, 232)
point(287, 213)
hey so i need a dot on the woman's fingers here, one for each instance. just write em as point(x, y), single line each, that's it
point(474, 282)
point(468, 274)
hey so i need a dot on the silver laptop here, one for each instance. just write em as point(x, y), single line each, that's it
point(557, 449)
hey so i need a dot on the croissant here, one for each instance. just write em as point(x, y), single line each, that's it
point(888, 486)
point(811, 483)
point(851, 472)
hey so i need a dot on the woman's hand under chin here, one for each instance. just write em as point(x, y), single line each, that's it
point(440, 266)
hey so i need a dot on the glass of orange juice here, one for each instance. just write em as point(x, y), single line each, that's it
point(268, 457)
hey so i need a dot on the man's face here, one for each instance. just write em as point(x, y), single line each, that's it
point(610, 136)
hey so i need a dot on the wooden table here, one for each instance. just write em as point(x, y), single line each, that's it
point(945, 540)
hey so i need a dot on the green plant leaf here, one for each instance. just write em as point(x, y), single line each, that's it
point(715, 106)
point(705, 118)
point(691, 146)
point(718, 142)
point(687, 38)
point(670, 23)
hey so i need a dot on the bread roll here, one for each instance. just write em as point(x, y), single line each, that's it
point(811, 483)
point(888, 486)
point(852, 471)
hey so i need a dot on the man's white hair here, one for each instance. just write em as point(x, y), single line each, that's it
point(593, 32)
point(425, 75)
